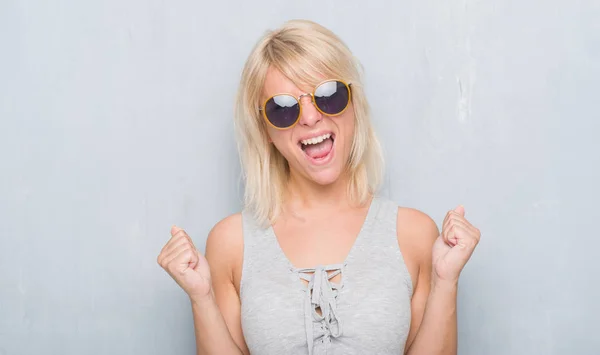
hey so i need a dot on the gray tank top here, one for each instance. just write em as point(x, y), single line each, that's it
point(368, 312)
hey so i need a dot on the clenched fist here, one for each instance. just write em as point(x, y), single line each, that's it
point(180, 258)
point(455, 245)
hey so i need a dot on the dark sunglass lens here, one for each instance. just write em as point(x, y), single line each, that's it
point(332, 97)
point(282, 111)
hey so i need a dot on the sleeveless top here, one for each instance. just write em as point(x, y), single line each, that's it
point(368, 312)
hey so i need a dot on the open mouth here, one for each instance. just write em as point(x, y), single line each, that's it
point(318, 148)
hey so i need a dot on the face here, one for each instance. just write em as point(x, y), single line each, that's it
point(318, 147)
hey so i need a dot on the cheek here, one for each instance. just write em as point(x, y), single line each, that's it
point(280, 139)
point(273, 135)
point(347, 125)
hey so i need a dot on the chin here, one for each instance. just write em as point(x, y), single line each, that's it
point(325, 177)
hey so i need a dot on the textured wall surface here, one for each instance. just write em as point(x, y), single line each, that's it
point(116, 122)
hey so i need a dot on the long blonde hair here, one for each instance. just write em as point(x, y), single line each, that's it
point(304, 52)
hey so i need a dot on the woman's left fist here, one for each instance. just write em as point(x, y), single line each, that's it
point(454, 246)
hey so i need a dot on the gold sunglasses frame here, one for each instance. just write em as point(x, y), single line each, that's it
point(312, 99)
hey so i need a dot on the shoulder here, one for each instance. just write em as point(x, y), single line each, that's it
point(413, 221)
point(225, 244)
point(416, 232)
point(227, 230)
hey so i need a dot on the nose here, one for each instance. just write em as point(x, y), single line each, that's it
point(310, 115)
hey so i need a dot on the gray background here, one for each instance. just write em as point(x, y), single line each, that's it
point(116, 122)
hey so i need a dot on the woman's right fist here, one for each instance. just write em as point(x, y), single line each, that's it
point(180, 258)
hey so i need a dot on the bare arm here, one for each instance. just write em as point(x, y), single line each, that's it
point(437, 260)
point(213, 297)
point(212, 334)
point(437, 333)
point(224, 252)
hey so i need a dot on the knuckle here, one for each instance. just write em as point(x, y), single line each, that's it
point(169, 268)
point(187, 253)
point(180, 234)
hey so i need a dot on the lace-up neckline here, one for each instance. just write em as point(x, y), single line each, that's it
point(321, 294)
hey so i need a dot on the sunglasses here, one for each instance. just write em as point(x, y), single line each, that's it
point(331, 98)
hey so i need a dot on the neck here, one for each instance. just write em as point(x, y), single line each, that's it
point(303, 193)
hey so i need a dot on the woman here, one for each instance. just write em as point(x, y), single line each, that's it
point(317, 262)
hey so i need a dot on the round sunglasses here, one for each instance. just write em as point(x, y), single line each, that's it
point(330, 97)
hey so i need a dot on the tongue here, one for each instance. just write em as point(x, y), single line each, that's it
point(319, 150)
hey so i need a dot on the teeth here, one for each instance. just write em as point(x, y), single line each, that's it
point(316, 140)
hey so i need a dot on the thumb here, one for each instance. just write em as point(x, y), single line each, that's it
point(460, 210)
point(174, 229)
point(193, 263)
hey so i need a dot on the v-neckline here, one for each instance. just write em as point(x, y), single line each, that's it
point(366, 223)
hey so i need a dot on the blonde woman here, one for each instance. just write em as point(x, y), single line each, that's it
point(317, 262)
